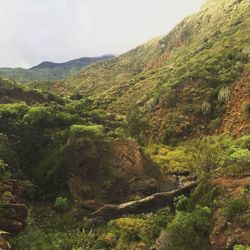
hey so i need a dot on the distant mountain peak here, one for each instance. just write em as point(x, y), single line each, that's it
point(79, 61)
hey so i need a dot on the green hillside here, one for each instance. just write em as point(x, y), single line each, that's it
point(204, 54)
point(49, 70)
point(148, 150)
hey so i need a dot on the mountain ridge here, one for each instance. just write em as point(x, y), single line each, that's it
point(49, 70)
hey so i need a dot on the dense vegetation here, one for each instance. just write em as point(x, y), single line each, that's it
point(170, 95)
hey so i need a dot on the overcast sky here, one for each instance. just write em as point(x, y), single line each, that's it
point(32, 31)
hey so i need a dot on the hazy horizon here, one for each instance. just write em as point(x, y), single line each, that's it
point(61, 30)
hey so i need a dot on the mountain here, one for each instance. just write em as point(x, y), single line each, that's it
point(49, 70)
point(177, 77)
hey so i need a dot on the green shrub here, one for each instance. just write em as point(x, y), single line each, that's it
point(189, 231)
point(61, 204)
point(214, 124)
point(181, 203)
point(203, 195)
point(4, 173)
point(246, 108)
point(246, 221)
point(29, 189)
point(234, 207)
point(169, 159)
point(87, 130)
point(36, 239)
point(224, 95)
point(203, 156)
point(241, 247)
point(135, 230)
point(144, 228)
point(136, 124)
point(176, 125)
point(205, 108)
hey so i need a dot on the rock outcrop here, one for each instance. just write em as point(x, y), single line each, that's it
point(148, 204)
point(235, 122)
point(109, 171)
point(13, 213)
point(4, 245)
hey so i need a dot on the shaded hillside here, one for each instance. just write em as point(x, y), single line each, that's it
point(180, 74)
point(50, 70)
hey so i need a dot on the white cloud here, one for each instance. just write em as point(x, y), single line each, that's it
point(36, 30)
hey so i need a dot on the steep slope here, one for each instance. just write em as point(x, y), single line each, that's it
point(180, 74)
point(236, 120)
point(50, 70)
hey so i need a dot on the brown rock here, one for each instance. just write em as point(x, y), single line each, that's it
point(103, 170)
point(4, 245)
point(14, 219)
point(91, 205)
point(148, 204)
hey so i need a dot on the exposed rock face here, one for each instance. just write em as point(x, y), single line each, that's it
point(14, 218)
point(148, 204)
point(13, 212)
point(235, 121)
point(91, 205)
point(4, 245)
point(108, 171)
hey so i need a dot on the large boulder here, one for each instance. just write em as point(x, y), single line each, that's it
point(108, 171)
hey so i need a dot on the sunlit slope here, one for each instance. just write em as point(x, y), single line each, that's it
point(181, 74)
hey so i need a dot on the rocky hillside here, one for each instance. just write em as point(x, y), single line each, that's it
point(183, 77)
point(49, 70)
point(146, 151)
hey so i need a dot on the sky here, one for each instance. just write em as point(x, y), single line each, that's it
point(33, 31)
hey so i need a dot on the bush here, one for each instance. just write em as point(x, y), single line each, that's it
point(176, 125)
point(169, 159)
point(189, 231)
point(136, 124)
point(205, 108)
point(36, 239)
point(181, 203)
point(4, 173)
point(29, 189)
point(234, 207)
point(143, 228)
point(87, 130)
point(240, 247)
point(224, 95)
point(134, 229)
point(246, 108)
point(246, 221)
point(203, 194)
point(61, 204)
